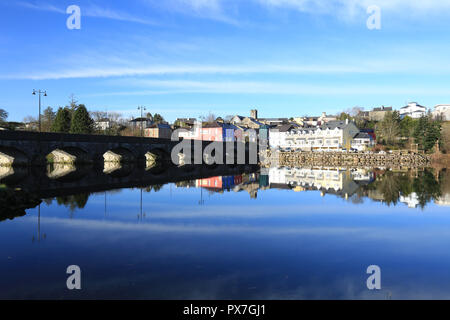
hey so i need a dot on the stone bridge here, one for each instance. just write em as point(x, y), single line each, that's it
point(33, 148)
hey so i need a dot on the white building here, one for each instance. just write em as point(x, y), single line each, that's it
point(443, 200)
point(334, 135)
point(442, 110)
point(413, 110)
point(362, 141)
point(103, 124)
point(411, 200)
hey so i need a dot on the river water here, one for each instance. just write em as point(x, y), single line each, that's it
point(279, 233)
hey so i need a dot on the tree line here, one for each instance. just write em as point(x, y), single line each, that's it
point(395, 132)
point(75, 118)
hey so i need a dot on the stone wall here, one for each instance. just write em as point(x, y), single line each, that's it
point(339, 159)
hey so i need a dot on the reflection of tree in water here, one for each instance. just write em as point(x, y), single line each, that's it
point(155, 188)
point(74, 201)
point(391, 185)
point(426, 187)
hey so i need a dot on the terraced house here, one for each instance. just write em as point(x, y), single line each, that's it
point(334, 135)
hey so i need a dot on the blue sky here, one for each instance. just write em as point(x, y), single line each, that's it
point(191, 57)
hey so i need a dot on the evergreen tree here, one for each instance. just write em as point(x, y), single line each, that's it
point(389, 128)
point(82, 122)
point(62, 121)
point(408, 126)
point(427, 132)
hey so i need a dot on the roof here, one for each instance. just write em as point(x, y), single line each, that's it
point(254, 121)
point(284, 127)
point(186, 120)
point(273, 119)
point(140, 120)
point(160, 126)
point(413, 104)
point(362, 135)
point(216, 124)
point(383, 108)
point(340, 124)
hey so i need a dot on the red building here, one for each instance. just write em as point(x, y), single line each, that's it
point(214, 131)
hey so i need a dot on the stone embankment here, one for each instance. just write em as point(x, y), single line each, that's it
point(344, 159)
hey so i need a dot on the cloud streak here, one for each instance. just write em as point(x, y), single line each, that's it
point(159, 87)
point(126, 71)
point(91, 10)
point(351, 7)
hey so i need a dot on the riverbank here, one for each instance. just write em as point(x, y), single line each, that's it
point(344, 159)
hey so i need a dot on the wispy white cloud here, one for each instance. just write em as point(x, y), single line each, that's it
point(216, 10)
point(90, 10)
point(260, 87)
point(352, 7)
point(126, 71)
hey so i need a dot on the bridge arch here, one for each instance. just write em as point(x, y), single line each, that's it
point(156, 155)
point(10, 156)
point(119, 155)
point(68, 155)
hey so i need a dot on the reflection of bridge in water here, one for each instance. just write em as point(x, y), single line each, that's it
point(60, 180)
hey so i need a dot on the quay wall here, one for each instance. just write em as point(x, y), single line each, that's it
point(342, 159)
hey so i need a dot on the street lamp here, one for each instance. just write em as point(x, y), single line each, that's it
point(142, 108)
point(39, 92)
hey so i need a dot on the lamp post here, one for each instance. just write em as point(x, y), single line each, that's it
point(39, 92)
point(142, 108)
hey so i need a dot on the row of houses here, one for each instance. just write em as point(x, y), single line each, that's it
point(322, 133)
point(413, 110)
point(331, 135)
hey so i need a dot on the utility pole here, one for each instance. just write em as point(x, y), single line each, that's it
point(39, 92)
point(142, 108)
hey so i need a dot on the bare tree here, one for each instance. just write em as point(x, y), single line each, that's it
point(209, 118)
point(29, 119)
point(114, 116)
point(98, 115)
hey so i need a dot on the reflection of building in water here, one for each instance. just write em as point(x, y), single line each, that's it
point(250, 182)
point(412, 200)
point(328, 180)
point(220, 182)
point(443, 200)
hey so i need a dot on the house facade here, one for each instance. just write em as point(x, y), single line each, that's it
point(158, 130)
point(102, 124)
point(413, 110)
point(214, 131)
point(377, 114)
point(442, 111)
point(334, 135)
point(362, 141)
point(141, 123)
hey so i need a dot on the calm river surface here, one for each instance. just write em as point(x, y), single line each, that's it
point(279, 233)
